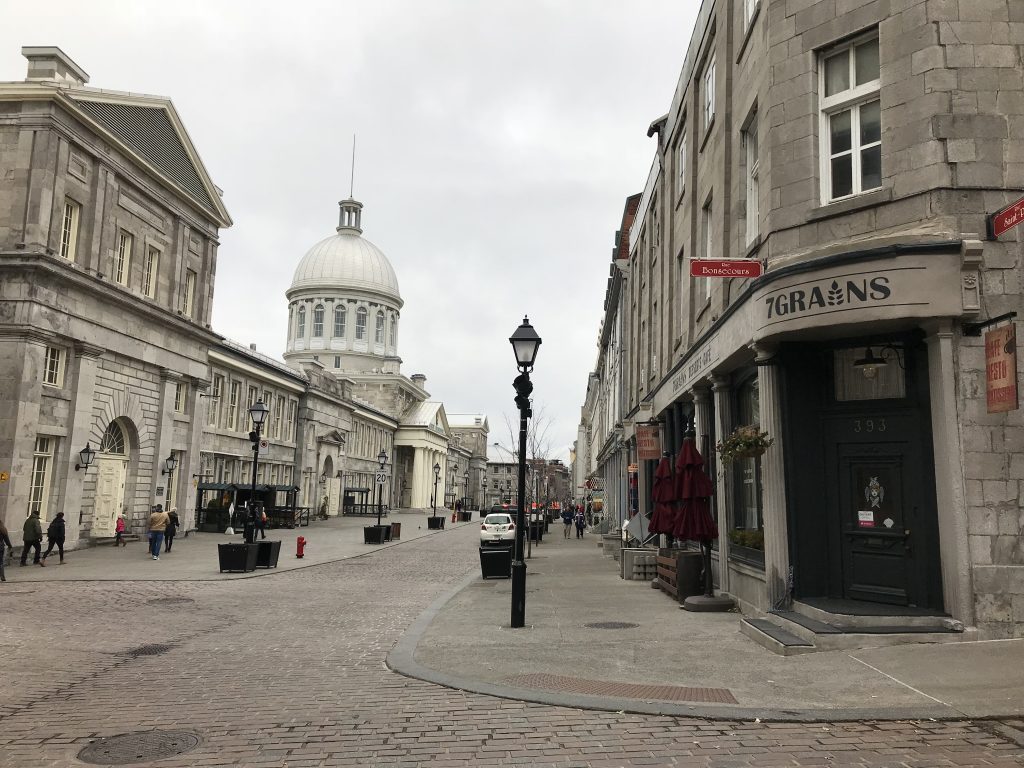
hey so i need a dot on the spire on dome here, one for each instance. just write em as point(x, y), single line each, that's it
point(351, 217)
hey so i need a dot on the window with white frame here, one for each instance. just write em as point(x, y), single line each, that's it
point(337, 361)
point(378, 336)
point(289, 421)
point(751, 151)
point(53, 367)
point(707, 237)
point(393, 330)
point(149, 272)
point(123, 258)
point(39, 483)
point(339, 322)
point(179, 397)
point(709, 92)
point(69, 230)
point(277, 417)
point(188, 299)
point(318, 321)
point(300, 327)
point(214, 405)
point(851, 119)
point(236, 389)
point(682, 151)
point(361, 324)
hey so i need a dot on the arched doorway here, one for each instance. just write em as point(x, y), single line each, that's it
point(332, 486)
point(112, 471)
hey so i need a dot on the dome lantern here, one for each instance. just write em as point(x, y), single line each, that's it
point(351, 217)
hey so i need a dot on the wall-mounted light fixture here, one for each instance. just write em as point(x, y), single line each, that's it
point(86, 456)
point(869, 364)
point(170, 464)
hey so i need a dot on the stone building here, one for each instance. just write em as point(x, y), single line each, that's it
point(854, 152)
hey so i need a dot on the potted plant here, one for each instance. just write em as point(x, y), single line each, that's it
point(744, 442)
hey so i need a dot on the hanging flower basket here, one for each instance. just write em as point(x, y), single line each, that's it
point(746, 442)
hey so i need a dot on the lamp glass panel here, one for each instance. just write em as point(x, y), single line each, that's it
point(888, 383)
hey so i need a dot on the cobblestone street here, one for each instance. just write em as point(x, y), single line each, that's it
point(288, 670)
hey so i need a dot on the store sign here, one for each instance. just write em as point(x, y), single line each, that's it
point(633, 468)
point(833, 295)
point(1006, 219)
point(1001, 369)
point(648, 442)
point(725, 268)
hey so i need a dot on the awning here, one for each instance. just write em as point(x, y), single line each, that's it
point(216, 487)
point(284, 488)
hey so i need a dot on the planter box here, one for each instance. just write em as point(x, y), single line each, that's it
point(374, 534)
point(465, 517)
point(237, 557)
point(496, 562)
point(396, 530)
point(638, 563)
point(435, 522)
point(267, 554)
point(679, 572)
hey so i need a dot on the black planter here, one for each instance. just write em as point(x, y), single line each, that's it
point(465, 517)
point(374, 534)
point(237, 557)
point(267, 553)
point(435, 521)
point(496, 562)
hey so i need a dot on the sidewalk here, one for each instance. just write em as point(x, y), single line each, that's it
point(194, 558)
point(675, 662)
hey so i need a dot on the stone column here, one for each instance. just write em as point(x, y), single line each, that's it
point(191, 464)
point(723, 486)
point(704, 414)
point(80, 424)
point(773, 480)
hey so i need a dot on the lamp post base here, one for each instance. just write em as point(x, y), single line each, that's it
point(707, 604)
point(518, 594)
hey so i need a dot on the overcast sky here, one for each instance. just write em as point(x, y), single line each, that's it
point(497, 142)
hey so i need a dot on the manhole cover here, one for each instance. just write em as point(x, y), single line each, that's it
point(154, 649)
point(138, 747)
point(610, 625)
point(170, 601)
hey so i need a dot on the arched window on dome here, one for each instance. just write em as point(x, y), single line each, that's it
point(318, 321)
point(378, 336)
point(339, 322)
point(361, 324)
point(300, 326)
point(394, 330)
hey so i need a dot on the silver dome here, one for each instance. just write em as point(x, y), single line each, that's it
point(346, 261)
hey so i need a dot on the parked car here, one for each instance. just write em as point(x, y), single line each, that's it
point(499, 508)
point(497, 530)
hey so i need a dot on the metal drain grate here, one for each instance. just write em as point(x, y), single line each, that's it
point(153, 649)
point(610, 625)
point(170, 601)
point(142, 746)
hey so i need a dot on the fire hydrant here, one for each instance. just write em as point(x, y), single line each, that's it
point(300, 546)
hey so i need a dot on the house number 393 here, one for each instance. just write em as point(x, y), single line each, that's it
point(869, 425)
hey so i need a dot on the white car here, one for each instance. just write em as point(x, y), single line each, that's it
point(497, 529)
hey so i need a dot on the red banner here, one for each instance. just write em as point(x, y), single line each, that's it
point(1001, 369)
point(648, 442)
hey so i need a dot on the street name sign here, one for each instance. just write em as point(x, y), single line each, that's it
point(725, 268)
point(1006, 219)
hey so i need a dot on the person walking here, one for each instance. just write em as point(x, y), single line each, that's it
point(157, 525)
point(32, 535)
point(172, 528)
point(566, 520)
point(261, 523)
point(55, 532)
point(581, 521)
point(6, 548)
point(119, 528)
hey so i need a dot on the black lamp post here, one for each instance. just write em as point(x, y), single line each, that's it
point(382, 459)
point(465, 489)
point(525, 343)
point(437, 476)
point(258, 413)
point(485, 505)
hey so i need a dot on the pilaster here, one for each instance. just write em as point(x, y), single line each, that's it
point(723, 489)
point(83, 393)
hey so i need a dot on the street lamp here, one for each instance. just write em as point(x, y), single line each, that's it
point(382, 459)
point(525, 343)
point(465, 487)
point(170, 464)
point(258, 413)
point(485, 493)
point(86, 457)
point(437, 476)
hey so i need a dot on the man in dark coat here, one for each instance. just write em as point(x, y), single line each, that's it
point(32, 535)
point(55, 533)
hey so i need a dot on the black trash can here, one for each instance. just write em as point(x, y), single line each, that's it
point(237, 557)
point(268, 553)
point(496, 562)
point(396, 531)
point(386, 528)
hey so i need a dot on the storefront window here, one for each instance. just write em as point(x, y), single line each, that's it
point(746, 533)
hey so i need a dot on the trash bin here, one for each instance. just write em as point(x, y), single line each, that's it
point(688, 568)
point(496, 562)
point(396, 530)
point(386, 528)
point(536, 531)
point(268, 553)
point(237, 557)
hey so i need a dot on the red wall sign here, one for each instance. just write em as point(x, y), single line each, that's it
point(1006, 219)
point(1001, 369)
point(648, 442)
point(725, 268)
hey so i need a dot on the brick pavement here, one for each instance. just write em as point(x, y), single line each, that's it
point(288, 671)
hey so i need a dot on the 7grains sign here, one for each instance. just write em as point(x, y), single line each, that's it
point(1001, 369)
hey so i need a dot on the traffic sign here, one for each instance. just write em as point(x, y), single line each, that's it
point(264, 447)
point(381, 478)
point(1006, 219)
point(725, 268)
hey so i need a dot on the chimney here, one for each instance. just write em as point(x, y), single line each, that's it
point(252, 347)
point(48, 62)
point(419, 380)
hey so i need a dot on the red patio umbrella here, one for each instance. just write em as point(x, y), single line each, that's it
point(663, 494)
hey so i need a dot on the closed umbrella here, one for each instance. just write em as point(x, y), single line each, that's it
point(694, 521)
point(663, 494)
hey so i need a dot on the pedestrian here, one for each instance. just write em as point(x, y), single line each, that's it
point(32, 535)
point(261, 523)
point(6, 548)
point(172, 528)
point(55, 533)
point(157, 525)
point(566, 520)
point(119, 528)
point(581, 521)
